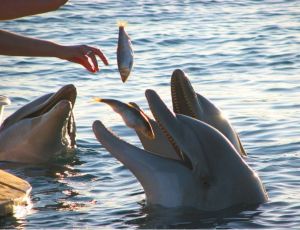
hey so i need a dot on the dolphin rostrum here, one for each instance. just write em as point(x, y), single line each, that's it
point(41, 129)
point(208, 173)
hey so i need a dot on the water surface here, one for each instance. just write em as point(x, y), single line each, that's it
point(243, 55)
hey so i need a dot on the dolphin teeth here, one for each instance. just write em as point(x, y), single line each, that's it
point(177, 85)
point(176, 108)
point(169, 138)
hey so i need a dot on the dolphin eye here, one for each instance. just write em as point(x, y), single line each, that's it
point(205, 181)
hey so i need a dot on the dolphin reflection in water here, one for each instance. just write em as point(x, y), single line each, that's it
point(195, 160)
point(40, 130)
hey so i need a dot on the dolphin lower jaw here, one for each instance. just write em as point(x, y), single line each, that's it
point(62, 120)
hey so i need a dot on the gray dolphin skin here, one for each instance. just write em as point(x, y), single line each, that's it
point(187, 102)
point(208, 174)
point(40, 130)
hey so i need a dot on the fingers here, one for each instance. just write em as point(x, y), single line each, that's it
point(85, 56)
point(92, 56)
point(92, 53)
point(84, 61)
point(100, 55)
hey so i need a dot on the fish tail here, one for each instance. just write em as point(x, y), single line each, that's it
point(122, 23)
point(97, 99)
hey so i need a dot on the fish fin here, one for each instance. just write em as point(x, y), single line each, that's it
point(122, 23)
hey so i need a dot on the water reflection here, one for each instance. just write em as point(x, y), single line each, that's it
point(58, 179)
point(159, 217)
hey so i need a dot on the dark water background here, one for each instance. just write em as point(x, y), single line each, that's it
point(243, 55)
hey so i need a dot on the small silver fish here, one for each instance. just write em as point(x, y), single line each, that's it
point(124, 52)
point(133, 117)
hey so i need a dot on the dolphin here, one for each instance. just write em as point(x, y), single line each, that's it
point(186, 101)
point(209, 174)
point(41, 129)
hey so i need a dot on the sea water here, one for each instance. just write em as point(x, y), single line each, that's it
point(242, 55)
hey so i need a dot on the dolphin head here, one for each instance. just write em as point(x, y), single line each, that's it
point(187, 102)
point(41, 129)
point(209, 173)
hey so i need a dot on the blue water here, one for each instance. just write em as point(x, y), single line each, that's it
point(243, 55)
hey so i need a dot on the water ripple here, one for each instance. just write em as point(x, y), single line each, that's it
point(243, 55)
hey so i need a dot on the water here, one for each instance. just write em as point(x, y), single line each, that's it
point(243, 55)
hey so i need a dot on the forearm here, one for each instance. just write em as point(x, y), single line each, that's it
point(17, 45)
point(11, 9)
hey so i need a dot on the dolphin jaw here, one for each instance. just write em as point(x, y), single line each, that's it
point(184, 98)
point(54, 123)
point(59, 106)
point(158, 108)
point(61, 116)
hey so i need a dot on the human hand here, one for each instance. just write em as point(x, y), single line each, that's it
point(83, 55)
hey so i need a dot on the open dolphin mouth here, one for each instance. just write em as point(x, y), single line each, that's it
point(169, 125)
point(187, 102)
point(184, 98)
point(43, 105)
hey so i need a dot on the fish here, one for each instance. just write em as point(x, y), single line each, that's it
point(133, 117)
point(124, 52)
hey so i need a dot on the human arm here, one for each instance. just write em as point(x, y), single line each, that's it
point(11, 9)
point(17, 45)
